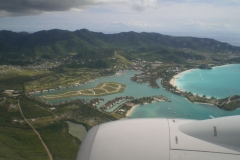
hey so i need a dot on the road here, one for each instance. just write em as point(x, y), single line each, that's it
point(39, 136)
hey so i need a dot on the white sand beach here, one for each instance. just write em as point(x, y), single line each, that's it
point(204, 103)
point(222, 65)
point(129, 112)
point(173, 80)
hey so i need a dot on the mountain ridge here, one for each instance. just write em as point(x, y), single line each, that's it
point(59, 43)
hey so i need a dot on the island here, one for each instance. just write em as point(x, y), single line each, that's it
point(127, 108)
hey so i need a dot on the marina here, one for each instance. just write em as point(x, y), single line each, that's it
point(179, 104)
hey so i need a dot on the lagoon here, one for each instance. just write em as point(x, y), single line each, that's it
point(180, 107)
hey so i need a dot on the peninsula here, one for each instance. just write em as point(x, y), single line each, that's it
point(100, 90)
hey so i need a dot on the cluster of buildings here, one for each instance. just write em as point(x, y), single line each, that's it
point(147, 77)
point(96, 101)
point(115, 101)
point(12, 106)
point(12, 93)
point(4, 69)
point(160, 98)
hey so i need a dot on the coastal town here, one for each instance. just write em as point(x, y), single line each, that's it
point(125, 72)
point(110, 104)
point(150, 73)
point(127, 108)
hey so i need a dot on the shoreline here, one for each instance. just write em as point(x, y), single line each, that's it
point(223, 65)
point(201, 103)
point(204, 103)
point(129, 112)
point(173, 80)
point(175, 77)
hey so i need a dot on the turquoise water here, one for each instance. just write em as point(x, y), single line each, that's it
point(180, 107)
point(219, 82)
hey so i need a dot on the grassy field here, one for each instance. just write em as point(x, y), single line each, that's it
point(117, 116)
point(32, 110)
point(13, 79)
point(17, 139)
point(63, 77)
point(20, 144)
point(61, 144)
point(100, 89)
point(9, 114)
point(83, 114)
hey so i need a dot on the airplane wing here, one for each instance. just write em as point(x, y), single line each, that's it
point(163, 139)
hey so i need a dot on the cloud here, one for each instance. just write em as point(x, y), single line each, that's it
point(209, 25)
point(32, 7)
point(141, 5)
point(141, 24)
point(126, 23)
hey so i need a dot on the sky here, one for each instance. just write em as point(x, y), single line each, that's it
point(179, 17)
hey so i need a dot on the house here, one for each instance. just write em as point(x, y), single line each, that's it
point(52, 108)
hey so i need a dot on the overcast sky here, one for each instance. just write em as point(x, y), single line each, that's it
point(113, 16)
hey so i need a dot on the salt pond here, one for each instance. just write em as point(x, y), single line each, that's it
point(77, 130)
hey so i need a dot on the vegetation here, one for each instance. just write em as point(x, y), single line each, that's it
point(20, 144)
point(84, 114)
point(122, 110)
point(9, 112)
point(18, 141)
point(60, 143)
point(230, 103)
point(87, 45)
point(58, 59)
point(32, 110)
point(204, 66)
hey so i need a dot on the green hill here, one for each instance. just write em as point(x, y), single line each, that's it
point(85, 44)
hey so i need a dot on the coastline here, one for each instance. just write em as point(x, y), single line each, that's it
point(129, 112)
point(173, 80)
point(222, 65)
point(204, 103)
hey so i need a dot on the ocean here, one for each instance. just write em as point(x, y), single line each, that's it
point(220, 82)
point(180, 107)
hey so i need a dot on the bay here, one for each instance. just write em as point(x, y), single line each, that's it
point(180, 107)
point(220, 82)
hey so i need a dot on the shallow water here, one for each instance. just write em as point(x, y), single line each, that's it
point(77, 130)
point(220, 82)
point(180, 107)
